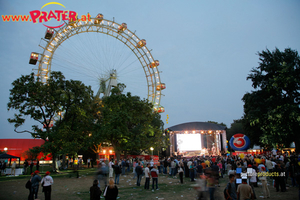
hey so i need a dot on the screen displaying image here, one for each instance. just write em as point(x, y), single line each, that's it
point(188, 142)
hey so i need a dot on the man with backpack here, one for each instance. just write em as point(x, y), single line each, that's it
point(230, 190)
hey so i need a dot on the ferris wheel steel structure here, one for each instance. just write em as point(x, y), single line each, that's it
point(54, 38)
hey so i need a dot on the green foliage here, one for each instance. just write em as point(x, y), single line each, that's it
point(213, 122)
point(271, 112)
point(129, 124)
point(235, 127)
point(67, 104)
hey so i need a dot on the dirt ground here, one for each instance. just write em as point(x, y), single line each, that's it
point(66, 187)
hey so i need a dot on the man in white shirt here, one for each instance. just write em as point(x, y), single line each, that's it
point(147, 176)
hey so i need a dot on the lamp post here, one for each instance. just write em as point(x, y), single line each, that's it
point(5, 149)
point(151, 148)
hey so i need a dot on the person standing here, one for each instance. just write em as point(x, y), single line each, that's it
point(151, 164)
point(293, 173)
point(46, 182)
point(111, 170)
point(28, 186)
point(123, 166)
point(139, 173)
point(111, 191)
point(201, 187)
point(147, 175)
point(88, 162)
point(165, 166)
point(192, 174)
point(25, 167)
point(173, 165)
point(4, 165)
point(31, 166)
point(38, 165)
point(244, 191)
point(230, 188)
point(154, 174)
point(135, 164)
point(199, 169)
point(13, 168)
point(263, 180)
point(158, 166)
point(180, 171)
point(117, 170)
point(211, 185)
point(35, 185)
point(95, 191)
point(269, 165)
point(186, 169)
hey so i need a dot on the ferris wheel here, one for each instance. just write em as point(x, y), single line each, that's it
point(106, 65)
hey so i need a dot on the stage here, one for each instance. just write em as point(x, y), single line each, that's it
point(197, 139)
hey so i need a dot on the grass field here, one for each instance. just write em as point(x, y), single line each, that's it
point(67, 186)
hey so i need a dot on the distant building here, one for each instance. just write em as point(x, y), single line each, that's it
point(17, 147)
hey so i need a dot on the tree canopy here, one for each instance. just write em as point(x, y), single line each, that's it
point(129, 124)
point(235, 127)
point(62, 110)
point(271, 111)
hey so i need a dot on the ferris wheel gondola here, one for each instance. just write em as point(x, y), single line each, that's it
point(55, 38)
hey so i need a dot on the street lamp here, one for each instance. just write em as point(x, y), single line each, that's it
point(151, 148)
point(5, 149)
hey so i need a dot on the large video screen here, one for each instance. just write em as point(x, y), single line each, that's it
point(188, 142)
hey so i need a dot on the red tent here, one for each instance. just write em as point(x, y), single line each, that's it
point(16, 147)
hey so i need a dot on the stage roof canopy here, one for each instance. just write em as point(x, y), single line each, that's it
point(192, 126)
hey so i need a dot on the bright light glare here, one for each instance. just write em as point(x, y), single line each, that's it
point(189, 142)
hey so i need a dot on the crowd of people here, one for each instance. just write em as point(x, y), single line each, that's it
point(273, 172)
point(243, 171)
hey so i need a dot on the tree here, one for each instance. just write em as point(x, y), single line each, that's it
point(235, 127)
point(32, 154)
point(67, 105)
point(129, 124)
point(271, 112)
point(213, 122)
